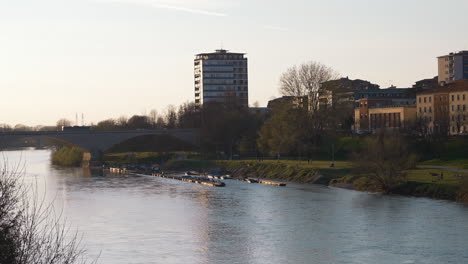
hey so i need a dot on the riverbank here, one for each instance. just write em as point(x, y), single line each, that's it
point(433, 183)
point(318, 172)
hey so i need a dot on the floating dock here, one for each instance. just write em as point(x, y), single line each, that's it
point(116, 170)
point(193, 179)
point(273, 183)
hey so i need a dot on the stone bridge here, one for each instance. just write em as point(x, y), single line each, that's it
point(96, 142)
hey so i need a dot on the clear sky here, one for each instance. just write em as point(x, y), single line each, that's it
point(107, 58)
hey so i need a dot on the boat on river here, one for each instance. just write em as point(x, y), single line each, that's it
point(251, 180)
point(273, 183)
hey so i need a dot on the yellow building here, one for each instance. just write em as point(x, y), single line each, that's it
point(458, 100)
point(444, 109)
point(392, 117)
point(432, 110)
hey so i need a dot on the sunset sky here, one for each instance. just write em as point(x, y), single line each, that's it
point(107, 58)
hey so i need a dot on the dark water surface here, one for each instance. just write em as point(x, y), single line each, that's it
point(143, 219)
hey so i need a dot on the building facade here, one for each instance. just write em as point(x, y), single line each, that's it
point(458, 100)
point(433, 110)
point(453, 67)
point(221, 77)
point(444, 109)
point(377, 114)
point(294, 101)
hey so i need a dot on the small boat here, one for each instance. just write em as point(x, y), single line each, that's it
point(188, 173)
point(251, 180)
point(226, 177)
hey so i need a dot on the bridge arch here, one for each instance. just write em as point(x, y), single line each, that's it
point(97, 142)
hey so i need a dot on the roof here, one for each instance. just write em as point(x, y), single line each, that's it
point(456, 86)
point(463, 52)
point(220, 51)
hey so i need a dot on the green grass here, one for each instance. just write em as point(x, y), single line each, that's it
point(299, 163)
point(139, 157)
point(423, 175)
point(461, 164)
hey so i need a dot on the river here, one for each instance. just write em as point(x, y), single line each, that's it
point(144, 219)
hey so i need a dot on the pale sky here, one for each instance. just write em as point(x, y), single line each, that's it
point(107, 58)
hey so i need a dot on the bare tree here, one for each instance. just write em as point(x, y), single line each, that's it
point(306, 80)
point(63, 122)
point(5, 127)
point(21, 127)
point(30, 229)
point(171, 117)
point(122, 122)
point(153, 117)
point(382, 160)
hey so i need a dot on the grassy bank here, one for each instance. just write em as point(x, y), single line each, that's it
point(461, 164)
point(67, 156)
point(138, 158)
point(420, 181)
point(285, 170)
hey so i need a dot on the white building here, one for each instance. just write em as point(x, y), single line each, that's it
point(221, 77)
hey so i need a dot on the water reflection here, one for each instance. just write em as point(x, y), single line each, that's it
point(144, 219)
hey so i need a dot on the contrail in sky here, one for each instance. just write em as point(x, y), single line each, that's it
point(163, 5)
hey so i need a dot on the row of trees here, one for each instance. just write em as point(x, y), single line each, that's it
point(229, 128)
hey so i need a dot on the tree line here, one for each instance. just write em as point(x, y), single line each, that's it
point(289, 128)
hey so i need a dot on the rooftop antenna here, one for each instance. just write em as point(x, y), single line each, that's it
point(82, 119)
point(76, 119)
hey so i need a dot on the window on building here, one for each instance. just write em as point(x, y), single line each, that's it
point(424, 99)
point(419, 99)
point(458, 97)
point(453, 108)
point(430, 99)
point(458, 107)
point(463, 97)
point(430, 109)
point(424, 109)
point(420, 110)
point(464, 107)
point(453, 97)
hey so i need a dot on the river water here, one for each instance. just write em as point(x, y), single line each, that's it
point(144, 219)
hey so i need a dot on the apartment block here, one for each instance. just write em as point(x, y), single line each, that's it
point(458, 100)
point(221, 77)
point(432, 110)
point(453, 67)
point(444, 109)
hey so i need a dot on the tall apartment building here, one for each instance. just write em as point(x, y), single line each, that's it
point(221, 77)
point(453, 67)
